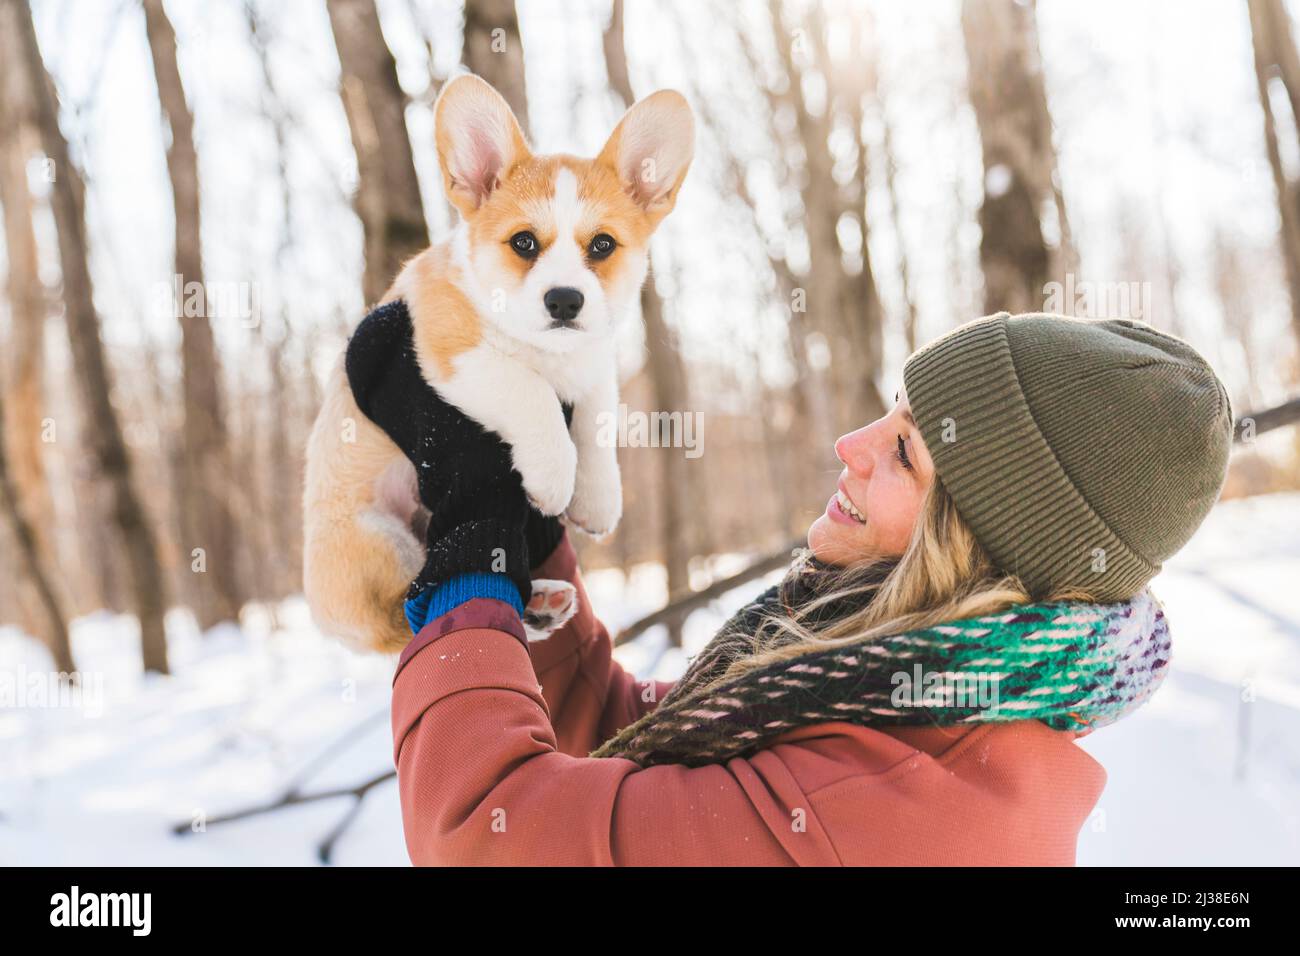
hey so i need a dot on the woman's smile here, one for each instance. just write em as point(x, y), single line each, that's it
point(842, 509)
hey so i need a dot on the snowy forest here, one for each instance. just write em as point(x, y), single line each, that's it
point(202, 199)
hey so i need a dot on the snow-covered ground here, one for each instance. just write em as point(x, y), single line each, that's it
point(1208, 772)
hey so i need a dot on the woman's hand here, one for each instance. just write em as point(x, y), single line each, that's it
point(480, 519)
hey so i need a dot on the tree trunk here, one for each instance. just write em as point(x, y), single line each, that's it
point(283, 455)
point(27, 496)
point(890, 164)
point(842, 306)
point(40, 574)
point(667, 377)
point(103, 432)
point(495, 51)
point(207, 520)
point(388, 191)
point(810, 434)
point(1010, 102)
point(862, 314)
point(1276, 56)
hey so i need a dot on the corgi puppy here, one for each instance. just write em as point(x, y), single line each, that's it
point(515, 313)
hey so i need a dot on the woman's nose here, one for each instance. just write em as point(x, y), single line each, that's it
point(854, 449)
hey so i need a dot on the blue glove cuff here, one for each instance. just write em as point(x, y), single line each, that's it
point(437, 599)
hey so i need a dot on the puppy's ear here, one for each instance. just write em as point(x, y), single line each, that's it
point(478, 138)
point(651, 149)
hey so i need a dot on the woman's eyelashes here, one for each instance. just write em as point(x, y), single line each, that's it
point(901, 455)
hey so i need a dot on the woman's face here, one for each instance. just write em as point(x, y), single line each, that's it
point(887, 471)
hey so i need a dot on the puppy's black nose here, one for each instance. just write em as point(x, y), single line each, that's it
point(564, 304)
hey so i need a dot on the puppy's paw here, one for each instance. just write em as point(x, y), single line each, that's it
point(597, 499)
point(548, 468)
point(549, 609)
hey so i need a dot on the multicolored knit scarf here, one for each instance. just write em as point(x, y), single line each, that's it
point(1071, 665)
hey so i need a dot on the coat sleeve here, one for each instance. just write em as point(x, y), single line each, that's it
point(483, 779)
point(588, 695)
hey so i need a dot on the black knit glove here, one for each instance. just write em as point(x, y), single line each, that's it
point(480, 516)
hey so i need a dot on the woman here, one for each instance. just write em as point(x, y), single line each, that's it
point(972, 600)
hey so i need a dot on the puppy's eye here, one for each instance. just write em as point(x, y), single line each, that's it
point(524, 243)
point(601, 247)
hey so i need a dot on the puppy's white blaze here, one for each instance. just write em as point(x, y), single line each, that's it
point(568, 208)
point(563, 263)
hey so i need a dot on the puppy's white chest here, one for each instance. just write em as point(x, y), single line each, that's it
point(576, 375)
point(573, 375)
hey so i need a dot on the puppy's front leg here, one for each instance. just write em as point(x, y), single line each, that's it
point(519, 405)
point(598, 493)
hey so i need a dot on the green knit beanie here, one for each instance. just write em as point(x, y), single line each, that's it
point(1081, 453)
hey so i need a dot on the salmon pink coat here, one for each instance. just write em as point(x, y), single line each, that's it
point(491, 733)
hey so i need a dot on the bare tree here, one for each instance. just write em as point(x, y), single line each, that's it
point(802, 443)
point(843, 304)
point(388, 191)
point(40, 574)
point(281, 518)
point(889, 161)
point(495, 51)
point(1276, 59)
point(1007, 92)
point(27, 500)
point(207, 521)
point(103, 432)
point(1234, 288)
point(667, 377)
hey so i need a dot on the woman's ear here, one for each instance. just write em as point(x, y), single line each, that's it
point(478, 140)
point(651, 149)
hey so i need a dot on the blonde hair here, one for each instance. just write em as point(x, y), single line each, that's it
point(943, 575)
